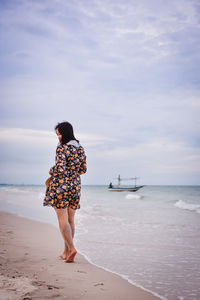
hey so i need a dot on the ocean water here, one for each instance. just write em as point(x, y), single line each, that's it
point(151, 237)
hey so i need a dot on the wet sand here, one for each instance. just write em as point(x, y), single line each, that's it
point(30, 267)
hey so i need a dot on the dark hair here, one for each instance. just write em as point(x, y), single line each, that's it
point(67, 132)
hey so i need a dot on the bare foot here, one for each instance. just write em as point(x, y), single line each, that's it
point(71, 256)
point(64, 255)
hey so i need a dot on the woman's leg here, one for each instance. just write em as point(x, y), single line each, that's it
point(65, 253)
point(66, 231)
point(71, 214)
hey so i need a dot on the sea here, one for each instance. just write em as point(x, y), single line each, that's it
point(150, 237)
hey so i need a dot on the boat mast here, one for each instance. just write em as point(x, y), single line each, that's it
point(135, 178)
point(119, 179)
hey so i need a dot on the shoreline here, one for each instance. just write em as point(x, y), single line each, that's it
point(35, 270)
point(124, 277)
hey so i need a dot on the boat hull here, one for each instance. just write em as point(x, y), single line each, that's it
point(134, 189)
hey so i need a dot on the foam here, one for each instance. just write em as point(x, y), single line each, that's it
point(188, 206)
point(131, 196)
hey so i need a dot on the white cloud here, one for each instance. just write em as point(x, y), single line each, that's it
point(159, 155)
point(44, 137)
point(25, 135)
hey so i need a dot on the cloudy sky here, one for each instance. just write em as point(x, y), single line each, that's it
point(125, 73)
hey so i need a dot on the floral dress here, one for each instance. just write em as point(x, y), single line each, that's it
point(65, 184)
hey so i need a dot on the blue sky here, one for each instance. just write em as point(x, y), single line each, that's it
point(124, 73)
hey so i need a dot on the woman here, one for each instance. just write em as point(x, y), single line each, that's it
point(64, 189)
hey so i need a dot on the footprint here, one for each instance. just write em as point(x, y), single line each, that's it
point(38, 283)
point(51, 287)
point(79, 271)
point(100, 283)
point(54, 296)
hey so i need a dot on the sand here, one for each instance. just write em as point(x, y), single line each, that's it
point(31, 267)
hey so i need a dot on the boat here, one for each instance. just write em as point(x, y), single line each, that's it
point(134, 188)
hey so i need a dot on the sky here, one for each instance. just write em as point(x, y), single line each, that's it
point(124, 73)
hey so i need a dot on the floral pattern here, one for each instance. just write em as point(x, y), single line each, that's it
point(65, 184)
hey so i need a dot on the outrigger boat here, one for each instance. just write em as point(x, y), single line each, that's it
point(125, 189)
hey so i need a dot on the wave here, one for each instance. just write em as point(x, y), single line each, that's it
point(13, 189)
point(131, 196)
point(188, 206)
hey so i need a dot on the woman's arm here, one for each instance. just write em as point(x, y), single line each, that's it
point(83, 166)
point(60, 165)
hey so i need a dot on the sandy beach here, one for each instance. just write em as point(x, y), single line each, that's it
point(31, 268)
